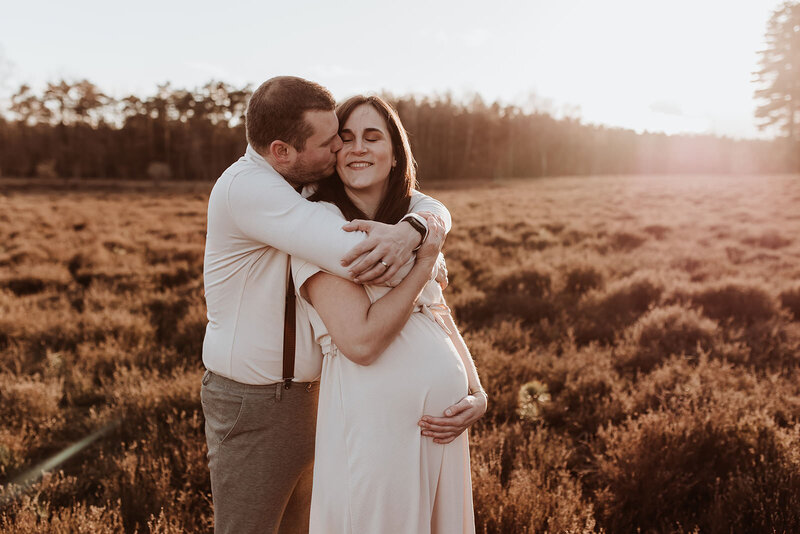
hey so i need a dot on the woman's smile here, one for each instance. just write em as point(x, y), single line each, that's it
point(359, 165)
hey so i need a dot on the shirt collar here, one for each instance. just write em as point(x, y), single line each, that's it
point(252, 155)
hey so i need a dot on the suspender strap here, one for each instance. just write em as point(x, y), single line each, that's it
point(289, 333)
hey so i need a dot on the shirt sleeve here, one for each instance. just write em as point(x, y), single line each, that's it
point(422, 202)
point(268, 210)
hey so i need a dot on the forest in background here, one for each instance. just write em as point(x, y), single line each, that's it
point(74, 130)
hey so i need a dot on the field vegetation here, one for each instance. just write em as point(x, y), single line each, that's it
point(639, 338)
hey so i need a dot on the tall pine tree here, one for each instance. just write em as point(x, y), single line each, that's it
point(779, 73)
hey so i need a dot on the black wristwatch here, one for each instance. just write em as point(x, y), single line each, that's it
point(419, 225)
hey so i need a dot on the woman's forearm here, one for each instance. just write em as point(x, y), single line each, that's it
point(473, 379)
point(386, 316)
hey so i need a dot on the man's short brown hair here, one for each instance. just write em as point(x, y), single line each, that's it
point(275, 111)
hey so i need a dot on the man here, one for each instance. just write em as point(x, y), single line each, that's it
point(260, 434)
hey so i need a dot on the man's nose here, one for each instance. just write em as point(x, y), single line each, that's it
point(337, 144)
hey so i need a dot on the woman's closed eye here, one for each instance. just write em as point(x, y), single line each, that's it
point(350, 139)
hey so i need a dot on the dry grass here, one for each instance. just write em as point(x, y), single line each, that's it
point(639, 338)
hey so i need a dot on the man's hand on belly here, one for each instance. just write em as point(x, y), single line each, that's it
point(457, 418)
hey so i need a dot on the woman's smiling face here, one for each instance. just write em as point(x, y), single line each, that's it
point(366, 157)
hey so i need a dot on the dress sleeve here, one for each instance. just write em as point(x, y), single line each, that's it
point(422, 202)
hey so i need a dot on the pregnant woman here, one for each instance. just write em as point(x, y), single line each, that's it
point(375, 471)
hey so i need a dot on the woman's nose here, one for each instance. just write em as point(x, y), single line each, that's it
point(359, 146)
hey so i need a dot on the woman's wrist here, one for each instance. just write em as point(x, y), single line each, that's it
point(478, 390)
point(428, 263)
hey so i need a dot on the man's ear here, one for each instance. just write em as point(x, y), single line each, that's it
point(282, 152)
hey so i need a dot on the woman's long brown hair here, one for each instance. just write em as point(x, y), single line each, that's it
point(402, 177)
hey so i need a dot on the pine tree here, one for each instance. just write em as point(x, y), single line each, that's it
point(779, 74)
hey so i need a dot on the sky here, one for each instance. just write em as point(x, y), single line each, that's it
point(649, 65)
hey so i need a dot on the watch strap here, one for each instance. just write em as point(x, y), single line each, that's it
point(419, 224)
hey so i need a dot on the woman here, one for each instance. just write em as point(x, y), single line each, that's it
point(374, 470)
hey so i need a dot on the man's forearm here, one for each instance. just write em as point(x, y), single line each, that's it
point(274, 214)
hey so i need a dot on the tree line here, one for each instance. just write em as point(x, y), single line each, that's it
point(75, 130)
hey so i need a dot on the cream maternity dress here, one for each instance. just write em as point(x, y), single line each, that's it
point(374, 472)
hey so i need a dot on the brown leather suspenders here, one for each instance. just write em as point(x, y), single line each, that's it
point(289, 332)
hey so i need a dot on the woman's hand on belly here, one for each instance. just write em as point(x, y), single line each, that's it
point(457, 419)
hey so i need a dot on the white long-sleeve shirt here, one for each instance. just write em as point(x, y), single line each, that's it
point(255, 221)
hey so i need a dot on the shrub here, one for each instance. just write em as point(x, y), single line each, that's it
point(742, 303)
point(790, 299)
point(30, 400)
point(689, 468)
point(522, 483)
point(502, 374)
point(625, 241)
point(525, 281)
point(582, 386)
point(499, 306)
point(657, 230)
point(602, 315)
point(581, 279)
point(771, 240)
point(663, 332)
point(34, 516)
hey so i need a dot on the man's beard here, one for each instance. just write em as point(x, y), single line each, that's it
point(302, 174)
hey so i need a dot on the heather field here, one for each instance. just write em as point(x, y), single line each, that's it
point(639, 338)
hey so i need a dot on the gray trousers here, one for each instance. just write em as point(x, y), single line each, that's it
point(260, 454)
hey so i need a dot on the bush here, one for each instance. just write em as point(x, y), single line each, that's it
point(522, 483)
point(625, 241)
point(690, 467)
point(602, 315)
point(771, 240)
point(528, 281)
point(581, 279)
point(582, 386)
point(740, 303)
point(663, 332)
point(790, 299)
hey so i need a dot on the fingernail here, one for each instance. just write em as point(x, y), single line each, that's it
point(448, 412)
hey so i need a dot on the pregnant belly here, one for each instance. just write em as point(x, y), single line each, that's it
point(419, 373)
